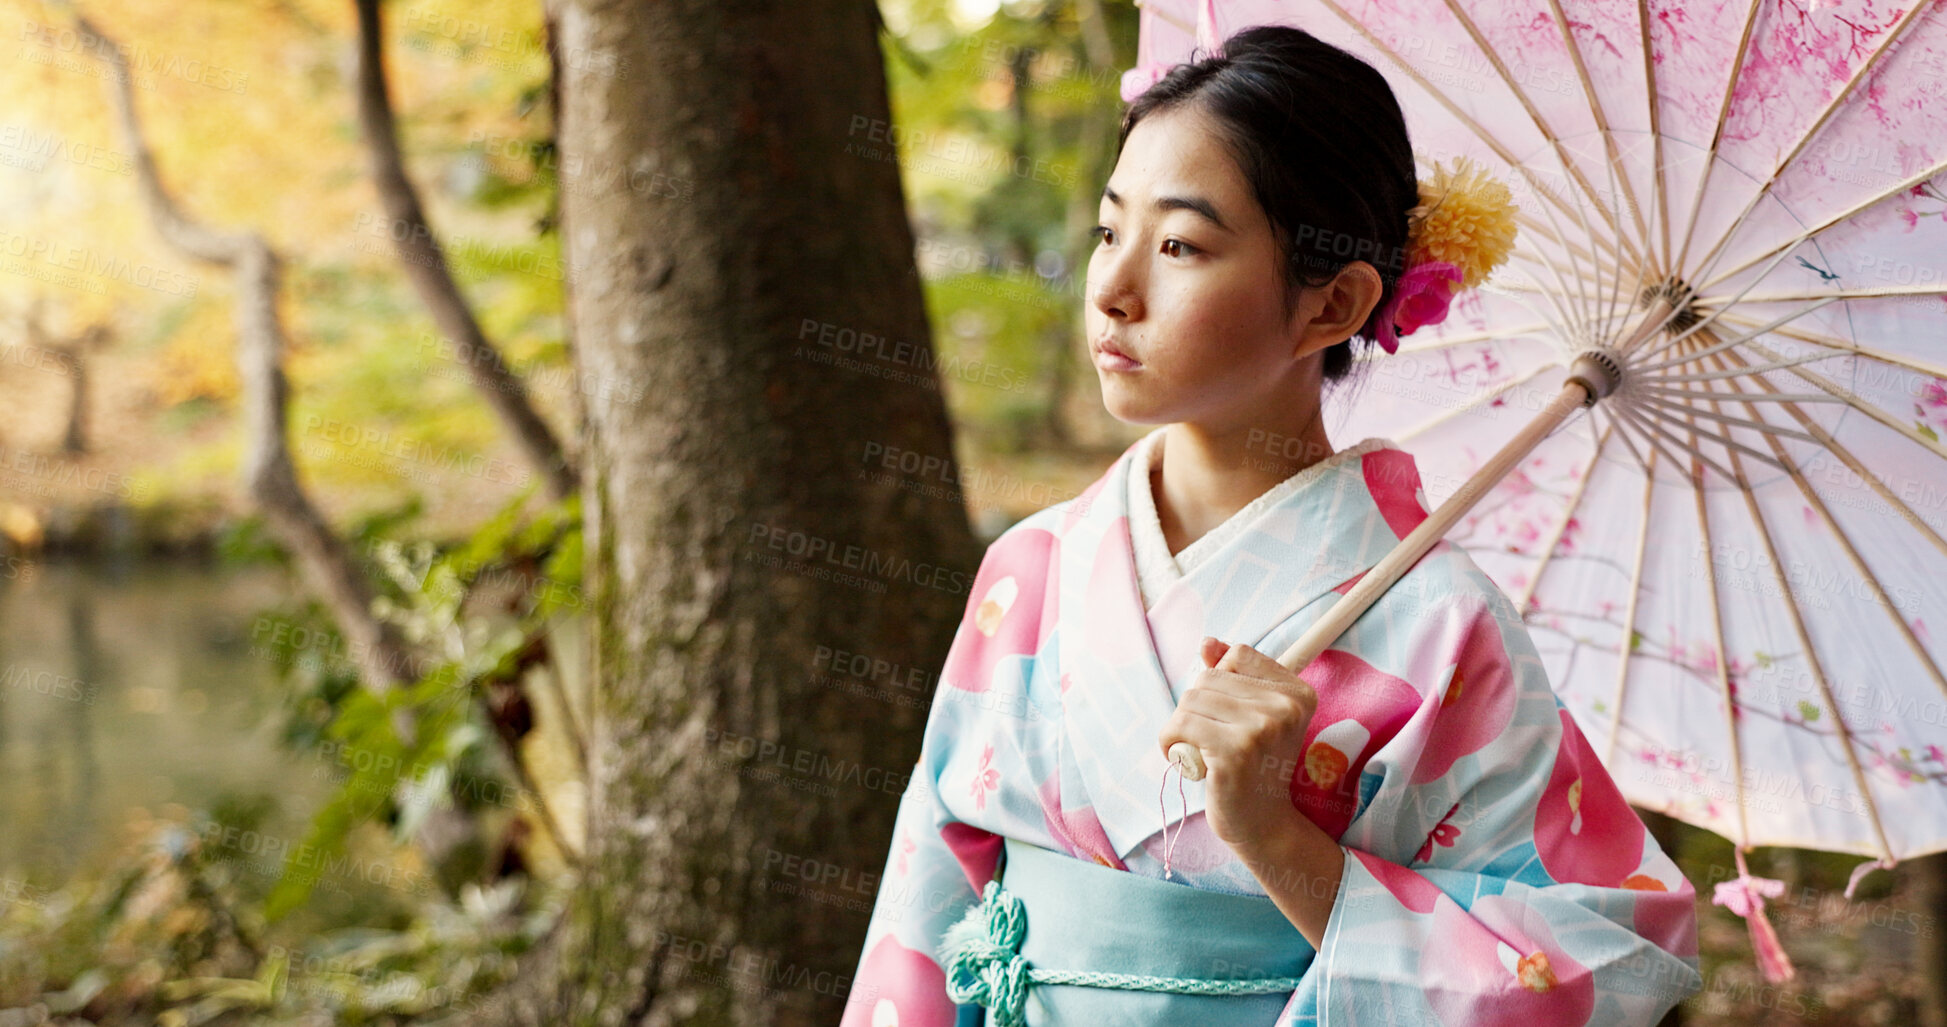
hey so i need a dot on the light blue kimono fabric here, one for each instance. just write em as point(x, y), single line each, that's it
point(1492, 871)
point(1084, 916)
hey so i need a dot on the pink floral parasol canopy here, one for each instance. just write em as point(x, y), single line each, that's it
point(1734, 564)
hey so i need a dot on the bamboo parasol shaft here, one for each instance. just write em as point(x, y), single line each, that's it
point(1393, 566)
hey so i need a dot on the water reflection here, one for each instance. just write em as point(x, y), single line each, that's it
point(123, 689)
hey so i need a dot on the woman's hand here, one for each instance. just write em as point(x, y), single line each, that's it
point(1249, 718)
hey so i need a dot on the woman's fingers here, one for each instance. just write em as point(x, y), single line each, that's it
point(1230, 708)
point(1262, 673)
point(1221, 699)
point(1253, 664)
point(1215, 717)
point(1246, 686)
point(1214, 737)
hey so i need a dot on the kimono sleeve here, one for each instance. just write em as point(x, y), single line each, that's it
point(1497, 875)
point(938, 863)
point(925, 888)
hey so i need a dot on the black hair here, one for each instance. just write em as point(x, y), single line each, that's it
point(1320, 137)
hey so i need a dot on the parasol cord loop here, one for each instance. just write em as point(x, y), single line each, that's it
point(1865, 868)
point(1745, 896)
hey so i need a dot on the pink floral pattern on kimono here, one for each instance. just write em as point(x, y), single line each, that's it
point(1492, 872)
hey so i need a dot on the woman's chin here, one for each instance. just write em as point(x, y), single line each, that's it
point(1131, 409)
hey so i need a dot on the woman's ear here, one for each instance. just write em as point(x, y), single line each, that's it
point(1333, 312)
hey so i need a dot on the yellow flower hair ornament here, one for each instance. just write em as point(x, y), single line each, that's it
point(1461, 230)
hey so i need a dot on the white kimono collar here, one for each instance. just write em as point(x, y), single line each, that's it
point(1116, 691)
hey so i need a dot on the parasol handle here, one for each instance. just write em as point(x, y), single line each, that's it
point(1574, 395)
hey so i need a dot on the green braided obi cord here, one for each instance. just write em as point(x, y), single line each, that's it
point(1069, 941)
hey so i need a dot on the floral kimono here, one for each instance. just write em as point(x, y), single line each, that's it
point(1493, 873)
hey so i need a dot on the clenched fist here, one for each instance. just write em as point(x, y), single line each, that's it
point(1248, 714)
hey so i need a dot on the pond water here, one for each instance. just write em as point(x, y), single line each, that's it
point(132, 688)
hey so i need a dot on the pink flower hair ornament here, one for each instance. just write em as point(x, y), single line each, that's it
point(1421, 298)
point(1461, 230)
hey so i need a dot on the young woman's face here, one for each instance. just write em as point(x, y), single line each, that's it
point(1185, 283)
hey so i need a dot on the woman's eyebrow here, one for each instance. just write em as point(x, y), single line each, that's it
point(1196, 204)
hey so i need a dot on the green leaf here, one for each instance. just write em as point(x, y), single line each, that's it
point(376, 758)
point(1808, 709)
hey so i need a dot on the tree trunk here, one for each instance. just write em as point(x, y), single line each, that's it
point(74, 441)
point(424, 261)
point(1930, 956)
point(72, 355)
point(746, 309)
point(1663, 828)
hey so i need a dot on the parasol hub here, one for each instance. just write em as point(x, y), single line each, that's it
point(1599, 369)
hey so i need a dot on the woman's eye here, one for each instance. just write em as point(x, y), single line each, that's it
point(1100, 232)
point(1179, 243)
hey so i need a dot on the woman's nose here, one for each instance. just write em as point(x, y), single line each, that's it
point(1112, 292)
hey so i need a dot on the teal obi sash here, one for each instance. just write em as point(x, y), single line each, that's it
point(1069, 941)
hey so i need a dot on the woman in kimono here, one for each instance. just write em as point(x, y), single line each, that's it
point(1412, 830)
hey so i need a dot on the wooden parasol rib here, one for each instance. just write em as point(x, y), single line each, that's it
point(1561, 524)
point(1783, 397)
point(1897, 360)
point(1871, 410)
point(1574, 320)
point(1533, 253)
point(1723, 418)
point(1818, 506)
point(1626, 647)
point(1661, 184)
point(1859, 468)
point(1870, 292)
point(1602, 124)
point(1847, 745)
point(1642, 463)
point(1734, 340)
point(1717, 134)
point(1570, 168)
point(1477, 400)
point(1789, 244)
point(1643, 270)
point(1859, 75)
point(1671, 411)
point(1487, 138)
point(1717, 635)
point(1656, 435)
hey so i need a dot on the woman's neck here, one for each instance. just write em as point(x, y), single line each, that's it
point(1207, 476)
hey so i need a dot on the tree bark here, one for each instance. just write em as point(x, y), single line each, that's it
point(1930, 955)
point(1664, 828)
point(728, 215)
point(74, 441)
point(424, 261)
point(74, 357)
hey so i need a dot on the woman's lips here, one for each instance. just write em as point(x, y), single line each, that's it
point(1109, 358)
